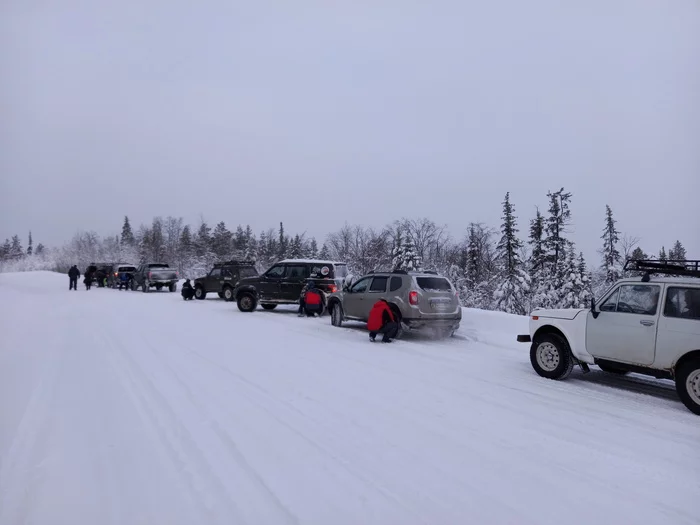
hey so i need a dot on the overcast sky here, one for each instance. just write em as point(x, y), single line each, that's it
point(317, 113)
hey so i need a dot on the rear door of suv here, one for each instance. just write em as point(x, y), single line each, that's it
point(294, 280)
point(437, 298)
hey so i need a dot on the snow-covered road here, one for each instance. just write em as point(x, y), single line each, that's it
point(125, 408)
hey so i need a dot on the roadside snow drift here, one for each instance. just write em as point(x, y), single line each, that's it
point(131, 408)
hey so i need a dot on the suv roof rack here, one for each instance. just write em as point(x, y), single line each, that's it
point(689, 268)
point(234, 262)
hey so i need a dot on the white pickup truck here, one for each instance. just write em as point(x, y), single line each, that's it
point(644, 325)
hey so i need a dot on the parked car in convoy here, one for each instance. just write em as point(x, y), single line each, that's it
point(645, 325)
point(116, 271)
point(284, 281)
point(154, 275)
point(222, 279)
point(420, 300)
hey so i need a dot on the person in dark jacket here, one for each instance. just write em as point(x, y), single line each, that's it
point(382, 321)
point(89, 275)
point(187, 291)
point(310, 300)
point(73, 276)
point(101, 276)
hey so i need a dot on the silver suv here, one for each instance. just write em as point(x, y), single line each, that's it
point(420, 300)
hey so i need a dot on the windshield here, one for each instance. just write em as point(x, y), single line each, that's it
point(434, 284)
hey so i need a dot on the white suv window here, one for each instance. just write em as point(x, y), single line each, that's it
point(682, 303)
point(639, 299)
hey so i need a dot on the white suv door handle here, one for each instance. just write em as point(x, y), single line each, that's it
point(647, 323)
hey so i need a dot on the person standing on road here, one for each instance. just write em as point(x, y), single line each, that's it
point(73, 276)
point(382, 321)
point(124, 280)
point(88, 279)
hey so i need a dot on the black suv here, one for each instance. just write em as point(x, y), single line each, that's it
point(282, 284)
point(222, 279)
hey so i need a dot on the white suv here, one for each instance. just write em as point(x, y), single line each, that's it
point(643, 324)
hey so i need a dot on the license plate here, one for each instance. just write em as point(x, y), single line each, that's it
point(440, 304)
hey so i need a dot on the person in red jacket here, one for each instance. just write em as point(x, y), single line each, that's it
point(382, 321)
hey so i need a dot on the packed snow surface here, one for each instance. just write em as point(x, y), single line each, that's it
point(130, 408)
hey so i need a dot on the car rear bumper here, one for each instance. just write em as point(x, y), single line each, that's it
point(524, 338)
point(428, 324)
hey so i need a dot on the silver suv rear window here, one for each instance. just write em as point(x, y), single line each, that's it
point(434, 284)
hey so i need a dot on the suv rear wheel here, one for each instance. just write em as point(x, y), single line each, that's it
point(688, 384)
point(227, 294)
point(199, 293)
point(247, 302)
point(551, 357)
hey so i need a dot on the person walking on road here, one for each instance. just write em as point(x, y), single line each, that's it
point(382, 321)
point(73, 276)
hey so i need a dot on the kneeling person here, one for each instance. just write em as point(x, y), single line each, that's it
point(187, 291)
point(382, 321)
point(311, 301)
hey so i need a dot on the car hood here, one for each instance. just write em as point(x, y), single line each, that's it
point(562, 313)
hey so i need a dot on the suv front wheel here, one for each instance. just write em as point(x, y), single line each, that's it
point(551, 357)
point(688, 384)
point(199, 293)
point(247, 302)
point(227, 294)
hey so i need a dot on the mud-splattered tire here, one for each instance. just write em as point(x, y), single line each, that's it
point(247, 302)
point(688, 384)
point(551, 356)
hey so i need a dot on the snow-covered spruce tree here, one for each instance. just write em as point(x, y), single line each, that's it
point(575, 290)
point(397, 253)
point(612, 264)
point(185, 256)
point(282, 243)
point(662, 254)
point(324, 253)
point(5, 250)
point(677, 253)
point(16, 252)
point(296, 248)
point(221, 241)
point(313, 248)
point(127, 238)
point(239, 241)
point(411, 259)
point(556, 244)
point(30, 247)
point(251, 248)
point(479, 268)
point(40, 249)
point(514, 282)
point(538, 264)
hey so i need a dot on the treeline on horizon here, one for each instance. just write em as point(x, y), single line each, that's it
point(492, 268)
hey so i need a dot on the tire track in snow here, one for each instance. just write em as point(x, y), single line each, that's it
point(186, 458)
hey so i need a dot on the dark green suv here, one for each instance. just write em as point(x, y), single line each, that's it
point(222, 279)
point(282, 284)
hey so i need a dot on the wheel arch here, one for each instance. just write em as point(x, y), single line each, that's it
point(693, 354)
point(550, 329)
point(238, 292)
